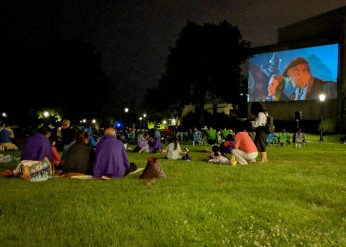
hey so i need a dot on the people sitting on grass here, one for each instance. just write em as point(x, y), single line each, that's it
point(271, 138)
point(68, 135)
point(219, 139)
point(151, 145)
point(211, 135)
point(80, 156)
point(56, 155)
point(131, 136)
point(155, 145)
point(38, 146)
point(299, 138)
point(94, 133)
point(196, 137)
point(227, 146)
point(217, 157)
point(284, 138)
point(245, 150)
point(230, 135)
point(111, 159)
point(142, 143)
point(173, 149)
point(6, 137)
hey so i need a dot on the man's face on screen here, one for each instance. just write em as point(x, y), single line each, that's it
point(293, 77)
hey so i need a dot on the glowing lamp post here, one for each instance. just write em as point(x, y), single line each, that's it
point(145, 123)
point(322, 98)
point(126, 110)
point(3, 116)
point(140, 122)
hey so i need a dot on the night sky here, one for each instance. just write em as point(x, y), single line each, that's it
point(134, 37)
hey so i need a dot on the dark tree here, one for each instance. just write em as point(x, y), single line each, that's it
point(80, 87)
point(18, 74)
point(66, 76)
point(204, 67)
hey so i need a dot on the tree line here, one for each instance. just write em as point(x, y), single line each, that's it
point(203, 67)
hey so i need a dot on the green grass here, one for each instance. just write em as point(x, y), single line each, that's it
point(296, 199)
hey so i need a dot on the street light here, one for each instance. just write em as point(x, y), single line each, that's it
point(126, 110)
point(46, 114)
point(144, 121)
point(322, 98)
point(140, 122)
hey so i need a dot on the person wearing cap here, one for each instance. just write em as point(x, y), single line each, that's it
point(307, 87)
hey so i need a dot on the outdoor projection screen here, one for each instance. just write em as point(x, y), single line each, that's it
point(323, 61)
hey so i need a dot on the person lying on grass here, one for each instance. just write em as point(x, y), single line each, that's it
point(217, 157)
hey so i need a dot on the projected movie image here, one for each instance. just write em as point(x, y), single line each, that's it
point(300, 74)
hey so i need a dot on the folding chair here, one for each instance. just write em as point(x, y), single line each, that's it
point(271, 139)
point(284, 139)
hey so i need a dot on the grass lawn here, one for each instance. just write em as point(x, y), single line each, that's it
point(297, 199)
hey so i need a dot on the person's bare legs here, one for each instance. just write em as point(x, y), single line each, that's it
point(264, 157)
point(143, 149)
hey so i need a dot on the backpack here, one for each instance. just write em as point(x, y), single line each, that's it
point(269, 126)
point(153, 169)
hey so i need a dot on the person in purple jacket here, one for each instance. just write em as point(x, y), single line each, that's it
point(38, 146)
point(111, 159)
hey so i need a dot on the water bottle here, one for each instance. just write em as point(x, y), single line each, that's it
point(233, 161)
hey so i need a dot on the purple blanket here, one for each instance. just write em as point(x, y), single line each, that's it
point(111, 159)
point(37, 147)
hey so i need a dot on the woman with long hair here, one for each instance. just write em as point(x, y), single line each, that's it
point(259, 123)
point(174, 150)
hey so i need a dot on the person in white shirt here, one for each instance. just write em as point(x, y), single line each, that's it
point(174, 150)
point(259, 123)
